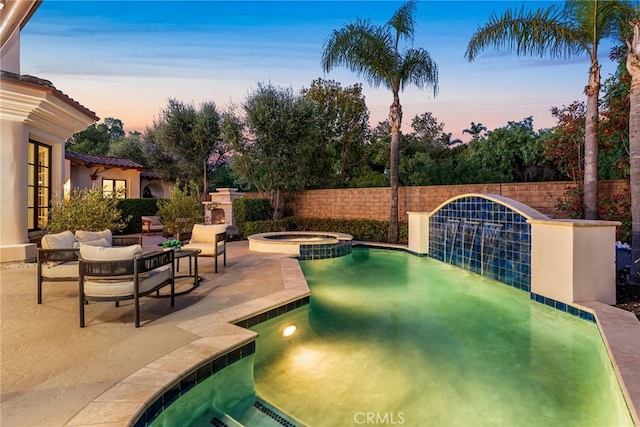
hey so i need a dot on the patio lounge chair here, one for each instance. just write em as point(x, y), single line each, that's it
point(211, 239)
point(57, 259)
point(117, 274)
point(152, 224)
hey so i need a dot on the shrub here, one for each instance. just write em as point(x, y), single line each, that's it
point(616, 208)
point(86, 209)
point(245, 210)
point(361, 229)
point(181, 210)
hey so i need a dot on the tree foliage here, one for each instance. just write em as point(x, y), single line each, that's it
point(342, 123)
point(184, 142)
point(86, 209)
point(562, 32)
point(373, 52)
point(96, 138)
point(182, 209)
point(278, 153)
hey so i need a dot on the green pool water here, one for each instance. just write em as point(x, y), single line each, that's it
point(394, 339)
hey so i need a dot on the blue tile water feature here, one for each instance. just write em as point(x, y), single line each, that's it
point(483, 236)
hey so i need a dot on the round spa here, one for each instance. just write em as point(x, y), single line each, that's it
point(303, 244)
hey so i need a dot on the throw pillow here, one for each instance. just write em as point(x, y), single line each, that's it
point(86, 236)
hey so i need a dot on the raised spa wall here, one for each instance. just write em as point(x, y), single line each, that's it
point(558, 261)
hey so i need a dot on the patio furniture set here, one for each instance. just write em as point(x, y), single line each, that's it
point(114, 268)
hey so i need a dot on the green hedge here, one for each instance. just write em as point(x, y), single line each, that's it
point(367, 230)
point(136, 208)
point(245, 210)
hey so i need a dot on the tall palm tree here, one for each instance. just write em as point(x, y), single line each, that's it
point(562, 32)
point(633, 65)
point(372, 52)
point(475, 129)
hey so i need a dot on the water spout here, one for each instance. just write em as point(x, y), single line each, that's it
point(490, 238)
point(451, 230)
point(469, 231)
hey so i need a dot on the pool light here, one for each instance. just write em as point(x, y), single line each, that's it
point(288, 331)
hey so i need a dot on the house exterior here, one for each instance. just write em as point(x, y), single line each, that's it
point(125, 177)
point(36, 119)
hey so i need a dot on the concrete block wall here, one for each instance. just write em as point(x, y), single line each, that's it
point(373, 203)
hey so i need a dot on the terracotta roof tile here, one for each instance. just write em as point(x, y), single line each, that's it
point(48, 86)
point(93, 160)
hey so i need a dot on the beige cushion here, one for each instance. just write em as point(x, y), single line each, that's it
point(123, 287)
point(100, 242)
point(87, 236)
point(206, 249)
point(99, 253)
point(64, 240)
point(60, 270)
point(206, 233)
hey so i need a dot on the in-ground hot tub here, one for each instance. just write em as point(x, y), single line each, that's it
point(303, 244)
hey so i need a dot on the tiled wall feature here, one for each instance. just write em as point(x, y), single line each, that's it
point(485, 237)
point(567, 308)
point(331, 250)
point(196, 376)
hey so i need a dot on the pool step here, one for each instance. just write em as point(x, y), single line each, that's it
point(259, 414)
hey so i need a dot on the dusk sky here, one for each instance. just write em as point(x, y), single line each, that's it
point(124, 59)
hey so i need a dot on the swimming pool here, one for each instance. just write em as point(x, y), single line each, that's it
point(407, 340)
point(389, 338)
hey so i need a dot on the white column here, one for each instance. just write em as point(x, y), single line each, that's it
point(574, 260)
point(14, 238)
point(419, 232)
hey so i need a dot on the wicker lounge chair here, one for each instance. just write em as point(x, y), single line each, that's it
point(57, 259)
point(117, 274)
point(211, 239)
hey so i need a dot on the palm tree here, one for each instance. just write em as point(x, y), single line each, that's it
point(633, 65)
point(574, 29)
point(475, 130)
point(372, 52)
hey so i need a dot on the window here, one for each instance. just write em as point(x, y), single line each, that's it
point(39, 185)
point(114, 188)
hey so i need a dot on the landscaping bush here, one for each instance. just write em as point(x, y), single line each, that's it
point(86, 209)
point(246, 210)
point(181, 210)
point(135, 209)
point(615, 208)
point(367, 230)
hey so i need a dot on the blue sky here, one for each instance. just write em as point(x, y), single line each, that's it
point(124, 59)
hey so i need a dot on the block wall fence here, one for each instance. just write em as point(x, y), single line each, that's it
point(373, 203)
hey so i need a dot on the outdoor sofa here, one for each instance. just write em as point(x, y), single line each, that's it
point(57, 258)
point(117, 274)
point(210, 239)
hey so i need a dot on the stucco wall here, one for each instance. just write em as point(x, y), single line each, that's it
point(373, 203)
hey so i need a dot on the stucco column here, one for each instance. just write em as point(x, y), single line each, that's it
point(419, 232)
point(574, 260)
point(14, 238)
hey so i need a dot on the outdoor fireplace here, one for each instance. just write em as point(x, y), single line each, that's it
point(219, 210)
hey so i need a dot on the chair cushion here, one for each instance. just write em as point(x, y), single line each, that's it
point(206, 249)
point(65, 269)
point(99, 242)
point(87, 236)
point(206, 233)
point(120, 253)
point(124, 287)
point(64, 240)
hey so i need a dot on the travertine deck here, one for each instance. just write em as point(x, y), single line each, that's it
point(55, 373)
